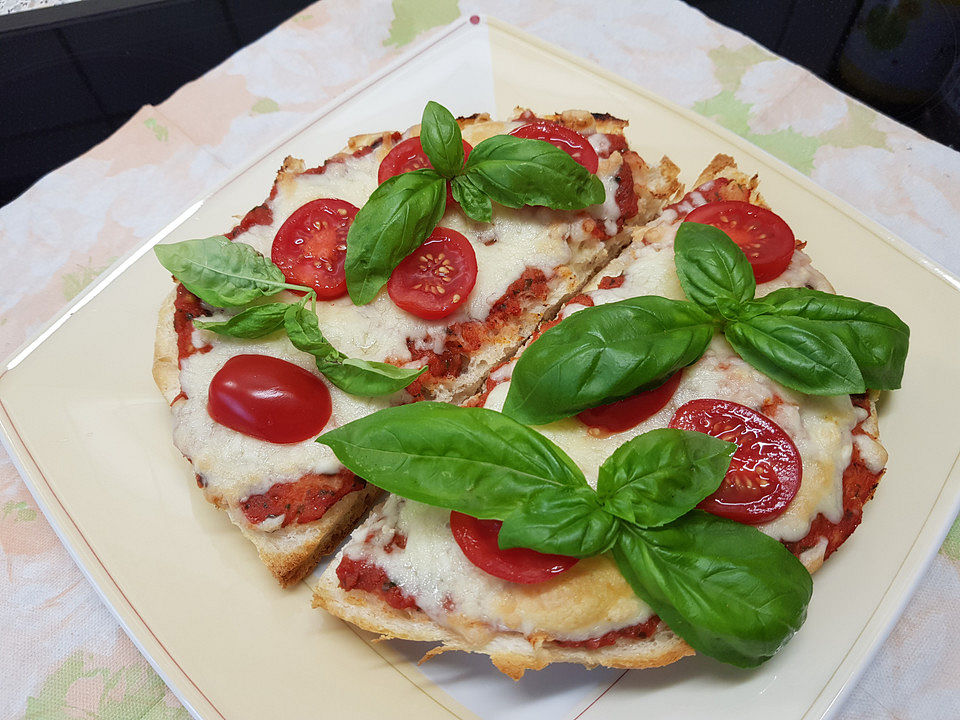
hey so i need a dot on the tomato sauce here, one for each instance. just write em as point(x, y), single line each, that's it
point(260, 215)
point(859, 484)
point(361, 575)
point(581, 299)
point(186, 307)
point(714, 192)
point(609, 283)
point(464, 338)
point(303, 500)
point(634, 632)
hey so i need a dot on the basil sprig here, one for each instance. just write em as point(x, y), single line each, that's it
point(402, 213)
point(231, 274)
point(394, 222)
point(605, 353)
point(727, 589)
point(352, 375)
point(807, 340)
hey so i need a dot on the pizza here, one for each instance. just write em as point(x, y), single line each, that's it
point(461, 304)
point(805, 465)
point(616, 423)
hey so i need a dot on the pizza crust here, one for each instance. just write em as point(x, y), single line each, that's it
point(511, 653)
point(289, 553)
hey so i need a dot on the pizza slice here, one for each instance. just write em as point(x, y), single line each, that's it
point(288, 495)
point(804, 467)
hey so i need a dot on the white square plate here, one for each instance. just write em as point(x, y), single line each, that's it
point(91, 435)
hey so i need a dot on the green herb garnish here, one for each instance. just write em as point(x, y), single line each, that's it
point(232, 274)
point(508, 170)
point(727, 589)
point(807, 340)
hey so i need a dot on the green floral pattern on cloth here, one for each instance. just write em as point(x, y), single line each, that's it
point(795, 148)
point(20, 511)
point(81, 689)
point(951, 545)
point(413, 17)
point(74, 282)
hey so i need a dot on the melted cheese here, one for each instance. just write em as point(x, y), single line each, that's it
point(587, 601)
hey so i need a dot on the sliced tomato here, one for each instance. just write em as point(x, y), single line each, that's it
point(436, 278)
point(311, 246)
point(409, 155)
point(269, 399)
point(478, 540)
point(627, 413)
point(766, 469)
point(764, 237)
point(570, 141)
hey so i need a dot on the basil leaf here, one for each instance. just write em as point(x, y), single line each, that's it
point(567, 523)
point(220, 272)
point(795, 353)
point(518, 171)
point(303, 329)
point(656, 477)
point(472, 460)
point(473, 202)
point(394, 222)
point(352, 375)
point(713, 270)
point(727, 589)
point(251, 323)
point(441, 140)
point(605, 353)
point(368, 378)
point(876, 338)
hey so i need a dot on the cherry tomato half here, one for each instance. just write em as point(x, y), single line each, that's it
point(311, 246)
point(766, 469)
point(269, 399)
point(764, 237)
point(478, 540)
point(570, 141)
point(627, 413)
point(409, 155)
point(436, 278)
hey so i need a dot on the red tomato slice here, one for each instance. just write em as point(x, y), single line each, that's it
point(627, 413)
point(409, 155)
point(311, 246)
point(570, 141)
point(764, 237)
point(766, 469)
point(269, 399)
point(478, 540)
point(436, 278)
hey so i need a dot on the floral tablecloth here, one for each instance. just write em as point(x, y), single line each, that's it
point(62, 655)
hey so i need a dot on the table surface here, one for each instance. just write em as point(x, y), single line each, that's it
point(63, 654)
